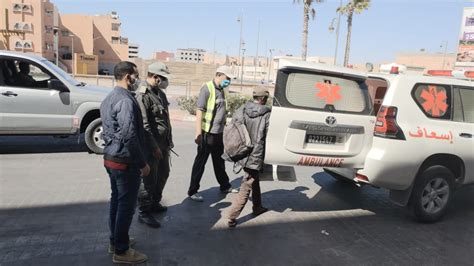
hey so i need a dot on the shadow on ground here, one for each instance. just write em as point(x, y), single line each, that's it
point(290, 234)
point(41, 144)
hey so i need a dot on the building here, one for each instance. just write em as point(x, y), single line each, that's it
point(190, 55)
point(133, 50)
point(34, 24)
point(419, 62)
point(163, 56)
point(93, 35)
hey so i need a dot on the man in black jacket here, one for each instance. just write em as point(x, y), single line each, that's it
point(124, 159)
point(256, 116)
point(156, 120)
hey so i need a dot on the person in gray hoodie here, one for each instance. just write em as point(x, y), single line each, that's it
point(256, 116)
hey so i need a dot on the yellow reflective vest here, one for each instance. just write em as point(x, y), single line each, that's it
point(208, 116)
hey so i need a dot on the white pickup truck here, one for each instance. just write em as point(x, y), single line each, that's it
point(38, 98)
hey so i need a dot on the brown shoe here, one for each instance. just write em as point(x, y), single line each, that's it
point(131, 256)
point(131, 242)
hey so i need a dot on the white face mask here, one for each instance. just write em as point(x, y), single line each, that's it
point(163, 84)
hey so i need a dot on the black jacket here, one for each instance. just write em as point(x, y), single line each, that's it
point(257, 118)
point(156, 121)
point(123, 128)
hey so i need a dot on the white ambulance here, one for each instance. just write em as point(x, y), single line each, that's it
point(411, 134)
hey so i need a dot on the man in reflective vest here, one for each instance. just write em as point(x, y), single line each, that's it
point(210, 121)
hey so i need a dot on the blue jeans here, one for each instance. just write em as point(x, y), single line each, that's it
point(124, 185)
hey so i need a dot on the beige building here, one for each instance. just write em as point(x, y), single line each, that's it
point(191, 55)
point(35, 22)
point(421, 61)
point(93, 35)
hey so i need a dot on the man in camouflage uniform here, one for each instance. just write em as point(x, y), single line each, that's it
point(154, 107)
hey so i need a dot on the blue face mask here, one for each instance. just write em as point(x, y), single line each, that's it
point(225, 83)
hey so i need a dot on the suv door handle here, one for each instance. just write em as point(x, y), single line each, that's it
point(465, 135)
point(9, 93)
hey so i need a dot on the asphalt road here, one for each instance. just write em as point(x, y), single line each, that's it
point(54, 204)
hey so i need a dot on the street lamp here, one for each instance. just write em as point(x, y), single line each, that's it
point(331, 27)
point(240, 20)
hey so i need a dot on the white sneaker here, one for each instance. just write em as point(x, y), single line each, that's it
point(196, 197)
point(230, 190)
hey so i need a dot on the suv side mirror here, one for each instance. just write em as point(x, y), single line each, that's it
point(54, 84)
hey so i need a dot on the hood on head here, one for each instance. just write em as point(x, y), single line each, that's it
point(254, 109)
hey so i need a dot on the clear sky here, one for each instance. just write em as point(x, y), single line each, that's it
point(388, 27)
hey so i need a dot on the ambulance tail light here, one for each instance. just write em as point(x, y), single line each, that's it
point(386, 124)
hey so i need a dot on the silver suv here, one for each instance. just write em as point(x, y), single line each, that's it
point(38, 98)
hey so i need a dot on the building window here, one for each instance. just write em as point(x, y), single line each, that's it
point(48, 29)
point(49, 13)
point(115, 26)
point(115, 40)
point(48, 46)
point(65, 33)
point(181, 58)
point(101, 52)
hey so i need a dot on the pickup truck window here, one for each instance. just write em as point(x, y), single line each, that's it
point(25, 74)
point(61, 73)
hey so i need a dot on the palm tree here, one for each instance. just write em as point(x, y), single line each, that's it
point(307, 10)
point(356, 6)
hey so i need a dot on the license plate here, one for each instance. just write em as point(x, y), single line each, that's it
point(320, 139)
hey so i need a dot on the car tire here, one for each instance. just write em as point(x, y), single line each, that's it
point(93, 137)
point(432, 194)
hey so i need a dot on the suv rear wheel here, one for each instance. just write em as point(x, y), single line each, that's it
point(93, 137)
point(432, 193)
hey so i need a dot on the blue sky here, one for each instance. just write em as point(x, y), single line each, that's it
point(388, 27)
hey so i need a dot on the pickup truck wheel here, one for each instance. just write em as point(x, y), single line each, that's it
point(432, 193)
point(93, 137)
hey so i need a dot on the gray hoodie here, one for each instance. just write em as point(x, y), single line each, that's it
point(257, 118)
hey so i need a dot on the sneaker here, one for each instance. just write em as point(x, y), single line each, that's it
point(196, 197)
point(131, 243)
point(130, 256)
point(148, 219)
point(230, 190)
point(259, 210)
point(232, 223)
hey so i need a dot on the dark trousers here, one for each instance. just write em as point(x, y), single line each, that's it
point(211, 144)
point(151, 190)
point(124, 185)
point(250, 182)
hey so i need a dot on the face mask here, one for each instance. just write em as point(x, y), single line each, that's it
point(163, 84)
point(134, 83)
point(225, 83)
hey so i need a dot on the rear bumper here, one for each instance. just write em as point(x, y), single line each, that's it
point(393, 169)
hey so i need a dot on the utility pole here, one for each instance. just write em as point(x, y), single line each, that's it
point(214, 51)
point(72, 55)
point(256, 56)
point(270, 64)
point(337, 34)
point(242, 70)
point(445, 51)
